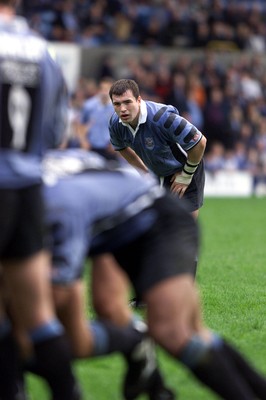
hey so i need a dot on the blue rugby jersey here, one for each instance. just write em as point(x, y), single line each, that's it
point(80, 206)
point(97, 116)
point(163, 133)
point(33, 104)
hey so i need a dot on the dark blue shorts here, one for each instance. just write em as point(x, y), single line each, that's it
point(21, 221)
point(169, 248)
point(195, 191)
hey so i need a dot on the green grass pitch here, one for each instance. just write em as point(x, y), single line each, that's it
point(231, 278)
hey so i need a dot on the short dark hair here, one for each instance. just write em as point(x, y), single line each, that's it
point(122, 85)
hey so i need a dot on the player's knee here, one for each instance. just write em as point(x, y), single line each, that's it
point(169, 335)
point(104, 307)
point(112, 310)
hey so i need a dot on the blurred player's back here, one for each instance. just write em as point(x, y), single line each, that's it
point(31, 94)
point(32, 101)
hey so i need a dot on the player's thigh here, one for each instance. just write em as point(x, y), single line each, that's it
point(110, 288)
point(27, 286)
point(172, 311)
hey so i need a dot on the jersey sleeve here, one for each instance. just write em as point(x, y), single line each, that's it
point(177, 129)
point(115, 137)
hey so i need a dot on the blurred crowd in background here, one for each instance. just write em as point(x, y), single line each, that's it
point(226, 101)
point(187, 23)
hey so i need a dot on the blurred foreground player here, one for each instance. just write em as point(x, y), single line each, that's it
point(70, 222)
point(31, 98)
point(154, 239)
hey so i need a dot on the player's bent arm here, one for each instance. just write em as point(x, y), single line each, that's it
point(194, 156)
point(133, 159)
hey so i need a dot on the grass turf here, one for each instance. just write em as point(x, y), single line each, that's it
point(231, 278)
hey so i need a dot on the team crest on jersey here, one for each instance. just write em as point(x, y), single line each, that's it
point(149, 143)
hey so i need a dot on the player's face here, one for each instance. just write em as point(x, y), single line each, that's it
point(127, 107)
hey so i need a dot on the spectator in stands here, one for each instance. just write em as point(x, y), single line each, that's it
point(216, 117)
point(178, 96)
point(214, 158)
point(94, 28)
point(250, 86)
